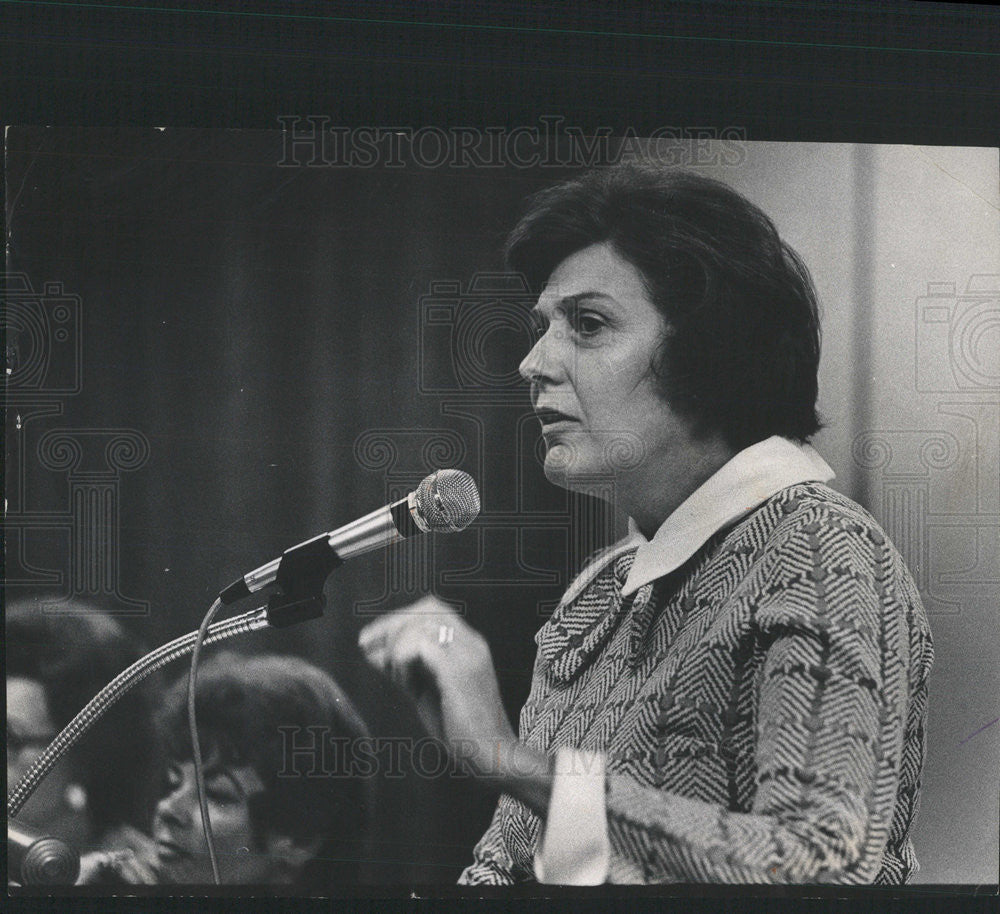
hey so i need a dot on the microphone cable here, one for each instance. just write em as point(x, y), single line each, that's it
point(199, 772)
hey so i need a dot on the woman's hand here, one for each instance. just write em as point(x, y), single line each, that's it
point(129, 863)
point(446, 667)
point(124, 867)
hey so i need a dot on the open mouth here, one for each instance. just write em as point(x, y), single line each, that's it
point(551, 416)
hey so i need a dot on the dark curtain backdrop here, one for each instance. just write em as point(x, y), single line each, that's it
point(252, 322)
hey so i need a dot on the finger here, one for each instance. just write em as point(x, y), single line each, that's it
point(375, 655)
point(91, 866)
point(405, 657)
point(429, 712)
point(128, 837)
point(428, 604)
point(378, 643)
point(107, 868)
point(133, 871)
point(387, 630)
point(384, 629)
point(416, 661)
point(428, 607)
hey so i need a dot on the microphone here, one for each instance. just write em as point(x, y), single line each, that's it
point(445, 502)
point(34, 858)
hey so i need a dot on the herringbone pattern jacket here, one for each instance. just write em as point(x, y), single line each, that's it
point(761, 709)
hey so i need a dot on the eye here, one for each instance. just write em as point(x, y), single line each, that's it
point(588, 323)
point(220, 792)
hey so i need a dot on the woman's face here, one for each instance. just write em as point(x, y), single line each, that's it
point(602, 411)
point(182, 855)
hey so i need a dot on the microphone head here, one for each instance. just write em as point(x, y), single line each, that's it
point(447, 501)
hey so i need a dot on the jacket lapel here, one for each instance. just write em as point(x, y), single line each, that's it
point(579, 628)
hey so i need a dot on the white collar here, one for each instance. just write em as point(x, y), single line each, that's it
point(738, 487)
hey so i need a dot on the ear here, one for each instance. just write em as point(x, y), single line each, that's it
point(291, 854)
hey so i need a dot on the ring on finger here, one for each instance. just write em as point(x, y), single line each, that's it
point(446, 634)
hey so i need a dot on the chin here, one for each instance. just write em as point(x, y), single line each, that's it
point(557, 476)
point(560, 461)
point(572, 468)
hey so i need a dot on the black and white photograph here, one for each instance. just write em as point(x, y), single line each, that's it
point(478, 510)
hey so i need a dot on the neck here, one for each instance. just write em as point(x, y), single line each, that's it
point(653, 494)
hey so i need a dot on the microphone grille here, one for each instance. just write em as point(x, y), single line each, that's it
point(448, 501)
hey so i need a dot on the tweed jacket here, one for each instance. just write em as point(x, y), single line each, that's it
point(760, 710)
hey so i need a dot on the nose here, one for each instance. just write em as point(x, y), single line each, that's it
point(175, 806)
point(540, 364)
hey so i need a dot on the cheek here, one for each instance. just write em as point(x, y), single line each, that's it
point(598, 391)
point(640, 388)
point(625, 370)
point(616, 398)
point(232, 827)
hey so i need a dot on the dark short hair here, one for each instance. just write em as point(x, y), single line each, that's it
point(241, 702)
point(742, 352)
point(73, 656)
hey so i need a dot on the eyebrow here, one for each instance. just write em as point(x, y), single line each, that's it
point(575, 299)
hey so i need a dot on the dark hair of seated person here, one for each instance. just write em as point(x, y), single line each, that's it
point(251, 710)
point(72, 654)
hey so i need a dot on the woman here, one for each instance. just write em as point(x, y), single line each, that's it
point(55, 663)
point(736, 692)
point(283, 811)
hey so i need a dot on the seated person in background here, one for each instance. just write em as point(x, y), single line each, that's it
point(279, 817)
point(100, 792)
